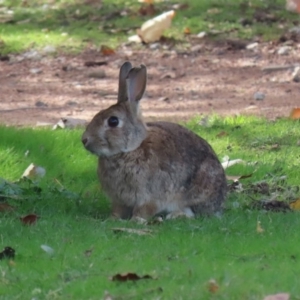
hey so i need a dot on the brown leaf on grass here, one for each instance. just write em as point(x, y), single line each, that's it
point(237, 178)
point(187, 30)
point(4, 58)
point(295, 205)
point(272, 205)
point(280, 296)
point(171, 75)
point(182, 6)
point(146, 1)
point(261, 188)
point(222, 133)
point(295, 113)
point(132, 230)
point(106, 51)
point(213, 11)
point(259, 229)
point(34, 172)
point(95, 63)
point(129, 277)
point(88, 252)
point(7, 252)
point(29, 219)
point(275, 147)
point(4, 207)
point(212, 286)
point(147, 10)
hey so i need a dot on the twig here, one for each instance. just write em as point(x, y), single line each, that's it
point(275, 68)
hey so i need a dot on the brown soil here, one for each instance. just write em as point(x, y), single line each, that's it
point(180, 85)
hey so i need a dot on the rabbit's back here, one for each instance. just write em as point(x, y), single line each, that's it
point(173, 168)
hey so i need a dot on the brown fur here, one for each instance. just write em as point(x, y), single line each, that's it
point(154, 168)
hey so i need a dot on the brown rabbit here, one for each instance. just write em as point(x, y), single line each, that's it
point(153, 168)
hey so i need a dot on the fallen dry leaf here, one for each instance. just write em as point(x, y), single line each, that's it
point(95, 63)
point(237, 178)
point(259, 229)
point(29, 219)
point(88, 252)
point(147, 10)
point(295, 205)
point(34, 172)
point(293, 5)
point(295, 113)
point(275, 147)
point(212, 286)
point(129, 277)
point(187, 30)
point(47, 249)
point(152, 30)
point(70, 123)
point(7, 252)
point(146, 1)
point(228, 163)
point(213, 11)
point(132, 230)
point(106, 51)
point(171, 75)
point(280, 296)
point(222, 133)
point(4, 207)
point(271, 205)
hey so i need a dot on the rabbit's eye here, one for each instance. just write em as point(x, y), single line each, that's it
point(113, 121)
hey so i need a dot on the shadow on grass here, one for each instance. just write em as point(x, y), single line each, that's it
point(69, 165)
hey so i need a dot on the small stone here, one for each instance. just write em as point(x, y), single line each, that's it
point(32, 54)
point(36, 71)
point(259, 96)
point(252, 46)
point(284, 50)
point(49, 49)
point(154, 46)
point(100, 74)
point(135, 39)
point(201, 34)
point(196, 48)
point(41, 104)
point(71, 103)
point(171, 75)
point(295, 30)
point(67, 68)
point(296, 74)
point(165, 99)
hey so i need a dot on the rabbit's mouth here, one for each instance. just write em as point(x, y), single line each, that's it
point(100, 150)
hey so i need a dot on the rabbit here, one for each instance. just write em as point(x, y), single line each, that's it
point(152, 169)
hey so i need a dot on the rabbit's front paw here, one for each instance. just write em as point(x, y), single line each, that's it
point(121, 212)
point(186, 213)
point(144, 211)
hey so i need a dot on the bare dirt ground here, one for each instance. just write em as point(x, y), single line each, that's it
point(210, 79)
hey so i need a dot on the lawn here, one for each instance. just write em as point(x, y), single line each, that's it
point(73, 251)
point(180, 256)
point(74, 25)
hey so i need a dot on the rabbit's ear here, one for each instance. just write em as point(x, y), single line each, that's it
point(136, 83)
point(122, 93)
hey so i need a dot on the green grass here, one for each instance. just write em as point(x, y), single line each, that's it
point(73, 25)
point(180, 255)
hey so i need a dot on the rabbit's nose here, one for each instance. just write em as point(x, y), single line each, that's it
point(84, 141)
